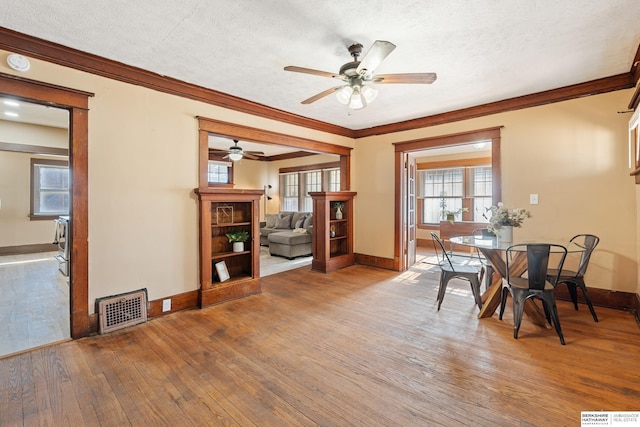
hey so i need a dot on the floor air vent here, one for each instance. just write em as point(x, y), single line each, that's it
point(120, 311)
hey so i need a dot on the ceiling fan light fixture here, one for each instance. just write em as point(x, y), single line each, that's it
point(357, 101)
point(369, 93)
point(343, 94)
point(235, 156)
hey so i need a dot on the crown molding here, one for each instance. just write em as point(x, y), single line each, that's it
point(58, 54)
point(33, 47)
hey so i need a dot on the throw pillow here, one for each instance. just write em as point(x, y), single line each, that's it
point(283, 221)
point(308, 221)
point(271, 220)
point(300, 222)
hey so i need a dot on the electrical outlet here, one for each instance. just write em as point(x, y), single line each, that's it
point(533, 199)
point(166, 304)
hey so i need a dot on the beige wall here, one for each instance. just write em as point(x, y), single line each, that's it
point(16, 228)
point(574, 154)
point(143, 160)
point(143, 149)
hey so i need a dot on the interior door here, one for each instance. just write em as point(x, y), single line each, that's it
point(411, 211)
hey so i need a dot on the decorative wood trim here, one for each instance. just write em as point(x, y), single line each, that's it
point(602, 297)
point(262, 136)
point(33, 149)
point(316, 166)
point(402, 148)
point(594, 87)
point(28, 249)
point(476, 161)
point(374, 261)
point(460, 138)
point(636, 309)
point(77, 103)
point(287, 156)
point(236, 131)
point(72, 58)
point(179, 302)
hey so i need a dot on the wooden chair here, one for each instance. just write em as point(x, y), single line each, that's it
point(575, 279)
point(450, 270)
point(536, 257)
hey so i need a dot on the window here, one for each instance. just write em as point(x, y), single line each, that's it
point(451, 189)
point(480, 183)
point(50, 196)
point(297, 182)
point(312, 182)
point(333, 179)
point(220, 172)
point(289, 190)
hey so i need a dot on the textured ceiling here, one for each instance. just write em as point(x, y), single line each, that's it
point(482, 50)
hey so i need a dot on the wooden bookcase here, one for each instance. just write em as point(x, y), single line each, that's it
point(332, 237)
point(222, 211)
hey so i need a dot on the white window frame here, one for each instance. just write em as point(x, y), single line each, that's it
point(38, 191)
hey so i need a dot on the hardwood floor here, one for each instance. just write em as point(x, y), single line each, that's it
point(360, 346)
point(34, 302)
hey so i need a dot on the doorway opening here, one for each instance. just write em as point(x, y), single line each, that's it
point(77, 104)
point(406, 203)
point(34, 165)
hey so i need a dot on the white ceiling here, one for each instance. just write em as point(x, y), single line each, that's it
point(482, 50)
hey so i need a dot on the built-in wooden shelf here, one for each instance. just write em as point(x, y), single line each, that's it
point(242, 213)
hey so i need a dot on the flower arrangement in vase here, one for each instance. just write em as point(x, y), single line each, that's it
point(503, 220)
point(338, 206)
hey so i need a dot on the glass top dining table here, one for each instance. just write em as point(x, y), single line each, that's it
point(492, 243)
point(494, 252)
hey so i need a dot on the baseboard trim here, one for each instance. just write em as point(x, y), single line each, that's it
point(179, 302)
point(28, 249)
point(375, 261)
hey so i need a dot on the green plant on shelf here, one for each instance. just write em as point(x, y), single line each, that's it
point(237, 236)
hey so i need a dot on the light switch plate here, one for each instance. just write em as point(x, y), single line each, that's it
point(533, 199)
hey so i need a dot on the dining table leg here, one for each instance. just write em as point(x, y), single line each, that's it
point(491, 298)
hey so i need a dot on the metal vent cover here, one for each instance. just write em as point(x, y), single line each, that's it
point(120, 311)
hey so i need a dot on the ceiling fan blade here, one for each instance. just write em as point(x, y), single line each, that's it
point(314, 98)
point(311, 71)
point(374, 56)
point(419, 78)
point(254, 153)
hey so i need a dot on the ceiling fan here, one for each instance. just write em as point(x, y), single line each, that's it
point(354, 92)
point(235, 153)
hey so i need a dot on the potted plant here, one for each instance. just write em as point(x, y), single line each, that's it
point(451, 215)
point(238, 237)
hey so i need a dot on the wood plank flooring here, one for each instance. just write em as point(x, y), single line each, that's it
point(358, 347)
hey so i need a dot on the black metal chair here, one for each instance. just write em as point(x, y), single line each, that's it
point(535, 284)
point(486, 272)
point(575, 279)
point(450, 270)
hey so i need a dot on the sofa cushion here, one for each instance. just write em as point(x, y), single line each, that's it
point(289, 238)
point(270, 220)
point(308, 221)
point(283, 222)
point(299, 222)
point(296, 217)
